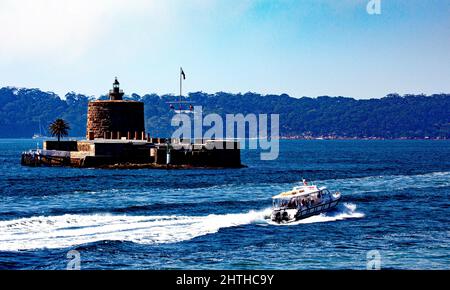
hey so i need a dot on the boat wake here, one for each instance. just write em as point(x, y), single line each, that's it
point(71, 230)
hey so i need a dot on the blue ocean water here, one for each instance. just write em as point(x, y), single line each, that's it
point(395, 201)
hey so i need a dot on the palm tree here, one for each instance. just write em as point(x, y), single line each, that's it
point(59, 128)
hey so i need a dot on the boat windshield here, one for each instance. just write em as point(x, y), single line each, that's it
point(285, 203)
point(324, 193)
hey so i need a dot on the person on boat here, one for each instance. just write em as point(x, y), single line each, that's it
point(319, 195)
point(292, 203)
point(300, 204)
point(305, 183)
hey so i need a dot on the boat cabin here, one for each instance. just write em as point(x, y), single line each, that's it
point(300, 196)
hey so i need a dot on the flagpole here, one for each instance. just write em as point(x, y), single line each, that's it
point(180, 85)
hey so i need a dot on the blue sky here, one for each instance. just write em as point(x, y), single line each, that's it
point(302, 48)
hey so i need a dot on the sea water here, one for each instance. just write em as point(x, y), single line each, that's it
point(395, 201)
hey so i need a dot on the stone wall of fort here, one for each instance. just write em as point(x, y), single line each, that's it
point(115, 120)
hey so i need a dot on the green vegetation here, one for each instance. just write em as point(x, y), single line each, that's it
point(394, 116)
point(59, 128)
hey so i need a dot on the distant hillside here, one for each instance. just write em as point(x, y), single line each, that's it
point(394, 116)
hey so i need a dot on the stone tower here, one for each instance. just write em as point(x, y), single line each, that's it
point(115, 118)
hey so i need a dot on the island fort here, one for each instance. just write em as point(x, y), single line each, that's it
point(116, 138)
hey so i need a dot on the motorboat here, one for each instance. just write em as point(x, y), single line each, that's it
point(302, 202)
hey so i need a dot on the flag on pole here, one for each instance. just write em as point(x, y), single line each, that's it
point(182, 74)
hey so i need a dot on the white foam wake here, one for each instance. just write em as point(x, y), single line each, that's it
point(72, 230)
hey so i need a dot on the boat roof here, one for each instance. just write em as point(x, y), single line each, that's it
point(299, 191)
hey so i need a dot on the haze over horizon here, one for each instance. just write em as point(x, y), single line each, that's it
point(308, 48)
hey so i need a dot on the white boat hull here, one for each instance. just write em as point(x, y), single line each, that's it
point(286, 215)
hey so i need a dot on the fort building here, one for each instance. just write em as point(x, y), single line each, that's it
point(116, 138)
point(115, 118)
